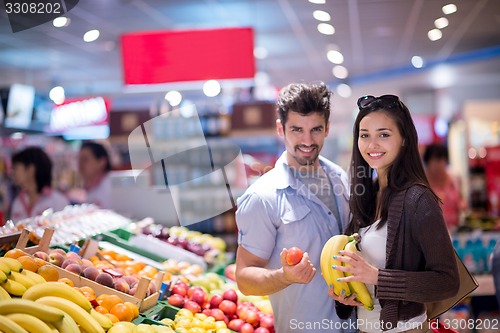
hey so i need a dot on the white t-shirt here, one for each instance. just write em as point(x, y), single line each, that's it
point(48, 199)
point(373, 249)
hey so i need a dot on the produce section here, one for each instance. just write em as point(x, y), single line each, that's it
point(109, 282)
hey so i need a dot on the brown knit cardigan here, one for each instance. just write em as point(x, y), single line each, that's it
point(420, 265)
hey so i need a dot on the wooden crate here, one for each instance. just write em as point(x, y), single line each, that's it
point(139, 299)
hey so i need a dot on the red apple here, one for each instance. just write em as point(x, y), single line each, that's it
point(261, 330)
point(230, 295)
point(228, 307)
point(176, 300)
point(242, 311)
point(294, 256)
point(246, 328)
point(252, 318)
point(267, 321)
point(180, 289)
point(235, 325)
point(217, 314)
point(198, 296)
point(215, 301)
point(192, 289)
point(230, 272)
point(192, 306)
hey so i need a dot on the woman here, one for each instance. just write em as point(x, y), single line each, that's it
point(32, 173)
point(406, 256)
point(94, 166)
point(446, 186)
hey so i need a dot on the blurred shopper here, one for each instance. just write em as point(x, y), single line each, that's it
point(32, 173)
point(445, 185)
point(495, 269)
point(406, 257)
point(94, 166)
point(302, 202)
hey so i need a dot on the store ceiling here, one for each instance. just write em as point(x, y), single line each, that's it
point(376, 37)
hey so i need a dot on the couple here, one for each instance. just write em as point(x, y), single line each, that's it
point(406, 257)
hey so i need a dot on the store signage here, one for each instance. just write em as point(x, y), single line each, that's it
point(187, 55)
point(79, 113)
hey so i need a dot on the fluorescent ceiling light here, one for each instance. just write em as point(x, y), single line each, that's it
point(321, 15)
point(417, 62)
point(449, 9)
point(260, 52)
point(173, 97)
point(60, 21)
point(335, 57)
point(326, 29)
point(441, 23)
point(91, 36)
point(319, 2)
point(340, 72)
point(434, 34)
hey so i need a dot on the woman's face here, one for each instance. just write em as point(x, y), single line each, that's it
point(88, 165)
point(379, 140)
point(22, 175)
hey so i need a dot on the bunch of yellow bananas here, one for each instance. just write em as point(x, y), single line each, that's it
point(14, 281)
point(330, 250)
point(45, 307)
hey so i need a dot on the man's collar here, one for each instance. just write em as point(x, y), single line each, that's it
point(286, 178)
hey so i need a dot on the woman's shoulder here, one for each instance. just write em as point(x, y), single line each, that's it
point(420, 194)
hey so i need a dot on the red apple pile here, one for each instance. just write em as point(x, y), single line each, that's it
point(243, 317)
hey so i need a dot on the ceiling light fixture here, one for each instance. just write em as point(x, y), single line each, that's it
point(91, 35)
point(449, 9)
point(417, 62)
point(441, 23)
point(340, 72)
point(211, 88)
point(260, 52)
point(335, 57)
point(57, 95)
point(60, 22)
point(318, 2)
point(344, 90)
point(173, 97)
point(321, 15)
point(326, 29)
point(434, 34)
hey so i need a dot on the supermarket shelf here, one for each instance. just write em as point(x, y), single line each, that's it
point(108, 246)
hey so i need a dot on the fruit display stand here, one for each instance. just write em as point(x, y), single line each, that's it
point(140, 298)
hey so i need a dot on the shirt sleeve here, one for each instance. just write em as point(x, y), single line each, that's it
point(256, 230)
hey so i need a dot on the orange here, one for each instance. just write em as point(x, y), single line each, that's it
point(110, 301)
point(113, 318)
point(122, 312)
point(28, 263)
point(40, 262)
point(14, 253)
point(122, 257)
point(87, 290)
point(48, 272)
point(101, 309)
point(67, 281)
point(134, 308)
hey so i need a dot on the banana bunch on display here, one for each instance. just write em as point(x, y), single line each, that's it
point(14, 281)
point(50, 307)
point(331, 249)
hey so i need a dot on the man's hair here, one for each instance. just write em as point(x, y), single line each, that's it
point(304, 99)
point(98, 151)
point(435, 152)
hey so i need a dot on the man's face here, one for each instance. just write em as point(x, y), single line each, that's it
point(304, 136)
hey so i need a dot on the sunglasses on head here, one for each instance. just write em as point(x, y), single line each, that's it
point(385, 101)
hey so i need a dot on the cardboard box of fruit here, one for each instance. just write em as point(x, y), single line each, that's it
point(81, 271)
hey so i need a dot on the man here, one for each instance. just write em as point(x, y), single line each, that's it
point(302, 202)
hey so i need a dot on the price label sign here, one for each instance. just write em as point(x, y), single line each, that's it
point(26, 14)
